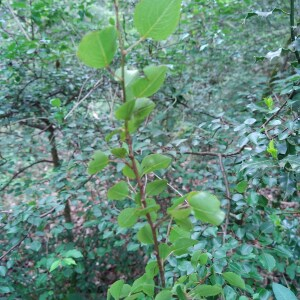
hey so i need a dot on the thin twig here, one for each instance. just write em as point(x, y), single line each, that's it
point(17, 21)
point(134, 45)
point(207, 153)
point(96, 85)
point(275, 114)
point(169, 229)
point(24, 169)
point(17, 244)
point(169, 185)
point(292, 24)
point(225, 178)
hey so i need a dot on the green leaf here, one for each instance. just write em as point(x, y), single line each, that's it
point(125, 290)
point(151, 83)
point(3, 271)
point(156, 187)
point(135, 296)
point(267, 261)
point(205, 290)
point(128, 217)
point(128, 171)
point(203, 259)
point(180, 213)
point(293, 160)
point(282, 293)
point(99, 162)
point(119, 191)
point(97, 48)
point(206, 207)
point(269, 102)
point(144, 235)
point(164, 295)
point(73, 253)
point(4, 290)
point(68, 261)
point(55, 265)
point(151, 269)
point(35, 246)
point(124, 112)
point(149, 209)
point(157, 19)
point(164, 250)
point(130, 77)
point(55, 102)
point(143, 107)
point(185, 224)
point(241, 187)
point(199, 257)
point(119, 152)
point(116, 289)
point(181, 295)
point(182, 245)
point(234, 279)
point(143, 284)
point(155, 162)
point(254, 164)
point(272, 150)
point(178, 233)
point(109, 136)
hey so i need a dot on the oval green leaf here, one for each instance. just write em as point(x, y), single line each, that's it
point(55, 265)
point(97, 48)
point(155, 162)
point(164, 295)
point(124, 112)
point(234, 279)
point(128, 171)
point(182, 245)
point(145, 235)
point(128, 217)
point(268, 261)
point(55, 102)
point(206, 207)
point(157, 19)
point(119, 191)
point(151, 83)
point(205, 290)
point(156, 187)
point(119, 152)
point(116, 289)
point(282, 293)
point(73, 253)
point(99, 161)
point(68, 261)
point(143, 108)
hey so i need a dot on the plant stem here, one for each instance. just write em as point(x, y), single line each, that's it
point(228, 196)
point(122, 49)
point(292, 24)
point(141, 184)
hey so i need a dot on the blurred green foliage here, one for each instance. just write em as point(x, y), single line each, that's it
point(228, 115)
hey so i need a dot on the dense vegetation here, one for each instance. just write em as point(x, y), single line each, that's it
point(149, 149)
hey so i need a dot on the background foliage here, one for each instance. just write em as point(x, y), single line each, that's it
point(228, 115)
